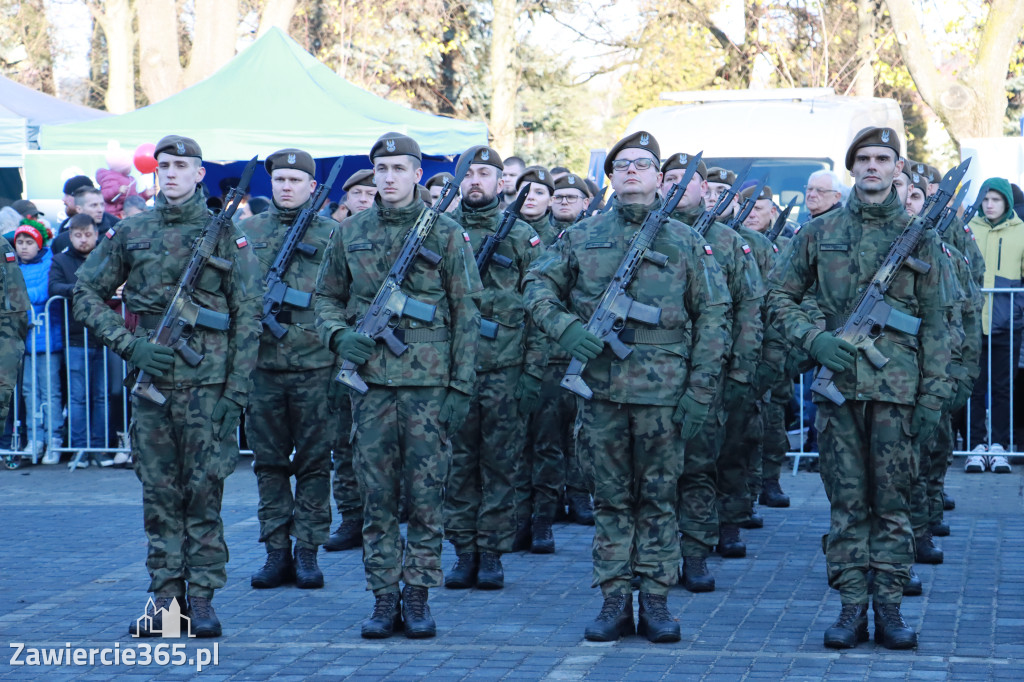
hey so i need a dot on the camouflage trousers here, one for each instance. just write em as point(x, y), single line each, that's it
point(738, 461)
point(480, 513)
point(398, 438)
point(933, 461)
point(12, 350)
point(635, 457)
point(289, 410)
point(548, 451)
point(775, 443)
point(345, 486)
point(182, 467)
point(868, 465)
point(697, 503)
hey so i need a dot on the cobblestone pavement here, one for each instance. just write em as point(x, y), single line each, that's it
point(72, 575)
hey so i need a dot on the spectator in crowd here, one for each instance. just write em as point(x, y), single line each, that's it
point(340, 211)
point(71, 186)
point(87, 405)
point(824, 192)
point(41, 387)
point(1000, 236)
point(9, 221)
point(134, 205)
point(88, 201)
point(257, 205)
point(1018, 201)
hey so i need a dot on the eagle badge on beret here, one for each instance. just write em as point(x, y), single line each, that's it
point(291, 158)
point(915, 177)
point(684, 159)
point(180, 146)
point(540, 174)
point(723, 174)
point(571, 179)
point(484, 155)
point(885, 136)
point(389, 145)
point(645, 139)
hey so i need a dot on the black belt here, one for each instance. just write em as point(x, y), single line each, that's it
point(150, 321)
point(653, 337)
point(296, 317)
point(421, 335)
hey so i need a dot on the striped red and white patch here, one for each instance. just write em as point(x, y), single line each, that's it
point(534, 240)
point(465, 235)
point(110, 233)
point(707, 250)
point(746, 249)
point(10, 257)
point(241, 242)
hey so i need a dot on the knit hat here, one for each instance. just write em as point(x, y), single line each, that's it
point(35, 229)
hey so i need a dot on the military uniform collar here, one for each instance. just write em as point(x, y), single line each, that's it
point(401, 215)
point(636, 213)
point(485, 216)
point(689, 216)
point(193, 209)
point(887, 211)
point(287, 215)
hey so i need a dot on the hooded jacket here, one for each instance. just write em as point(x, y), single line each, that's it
point(1001, 242)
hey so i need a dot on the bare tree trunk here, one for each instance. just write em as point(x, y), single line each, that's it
point(159, 53)
point(215, 36)
point(503, 77)
point(276, 13)
point(864, 79)
point(115, 18)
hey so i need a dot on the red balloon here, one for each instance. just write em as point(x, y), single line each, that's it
point(144, 159)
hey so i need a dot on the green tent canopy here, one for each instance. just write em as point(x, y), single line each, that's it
point(272, 95)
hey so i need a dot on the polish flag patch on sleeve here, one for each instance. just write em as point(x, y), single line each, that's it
point(110, 233)
point(776, 248)
point(10, 257)
point(241, 242)
point(534, 240)
point(707, 250)
point(465, 235)
point(560, 234)
point(746, 249)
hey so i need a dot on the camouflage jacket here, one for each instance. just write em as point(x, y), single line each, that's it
point(557, 228)
point(519, 342)
point(16, 304)
point(548, 235)
point(966, 322)
point(962, 237)
point(841, 252)
point(544, 228)
point(147, 253)
point(300, 348)
point(357, 261)
point(567, 282)
point(746, 289)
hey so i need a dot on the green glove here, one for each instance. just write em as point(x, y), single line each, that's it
point(735, 394)
point(924, 422)
point(580, 343)
point(691, 415)
point(528, 393)
point(226, 414)
point(454, 411)
point(835, 353)
point(354, 347)
point(964, 388)
point(151, 358)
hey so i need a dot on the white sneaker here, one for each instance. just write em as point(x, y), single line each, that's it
point(975, 464)
point(998, 464)
point(50, 457)
point(996, 449)
point(121, 458)
point(980, 447)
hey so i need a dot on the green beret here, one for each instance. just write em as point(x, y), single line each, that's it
point(572, 181)
point(395, 144)
point(766, 193)
point(486, 156)
point(178, 145)
point(641, 139)
point(930, 173)
point(538, 174)
point(873, 137)
point(918, 180)
point(721, 175)
point(681, 160)
point(290, 158)
point(439, 179)
point(423, 193)
point(360, 177)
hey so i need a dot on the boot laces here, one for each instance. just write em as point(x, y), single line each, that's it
point(696, 565)
point(463, 561)
point(656, 607)
point(384, 607)
point(416, 601)
point(891, 615)
point(202, 607)
point(305, 558)
point(848, 615)
point(489, 562)
point(612, 608)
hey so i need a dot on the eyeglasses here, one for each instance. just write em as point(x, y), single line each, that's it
point(565, 199)
point(818, 190)
point(639, 164)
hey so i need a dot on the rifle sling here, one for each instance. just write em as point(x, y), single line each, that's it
point(421, 335)
point(296, 317)
point(150, 322)
point(652, 337)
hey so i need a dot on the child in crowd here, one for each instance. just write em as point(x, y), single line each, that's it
point(87, 385)
point(116, 185)
point(41, 386)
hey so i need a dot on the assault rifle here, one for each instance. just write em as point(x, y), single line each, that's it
point(949, 214)
point(182, 314)
point(277, 292)
point(588, 209)
point(748, 205)
point(780, 222)
point(872, 314)
point(489, 252)
point(973, 210)
point(391, 302)
point(710, 215)
point(617, 306)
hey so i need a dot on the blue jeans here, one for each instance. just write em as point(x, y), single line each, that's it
point(44, 383)
point(87, 405)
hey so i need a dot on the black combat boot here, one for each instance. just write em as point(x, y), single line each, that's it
point(491, 575)
point(543, 541)
point(655, 622)
point(772, 495)
point(927, 552)
point(463, 573)
point(348, 535)
point(419, 624)
point(754, 521)
point(278, 570)
point(891, 631)
point(695, 576)
point(307, 574)
point(913, 587)
point(581, 509)
point(524, 535)
point(614, 621)
point(939, 529)
point(152, 624)
point(203, 618)
point(948, 503)
point(850, 629)
point(386, 617)
point(730, 546)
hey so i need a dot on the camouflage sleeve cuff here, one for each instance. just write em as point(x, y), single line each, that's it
point(534, 370)
point(461, 386)
point(702, 394)
point(240, 397)
point(742, 375)
point(809, 337)
point(958, 371)
point(932, 402)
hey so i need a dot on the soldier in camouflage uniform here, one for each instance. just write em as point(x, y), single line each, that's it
point(480, 514)
point(867, 453)
point(290, 407)
point(415, 401)
point(629, 433)
point(184, 449)
point(13, 325)
point(697, 505)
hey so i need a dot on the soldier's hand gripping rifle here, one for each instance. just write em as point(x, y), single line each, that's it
point(711, 214)
point(872, 314)
point(391, 302)
point(748, 205)
point(277, 293)
point(780, 222)
point(488, 252)
point(183, 314)
point(616, 305)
